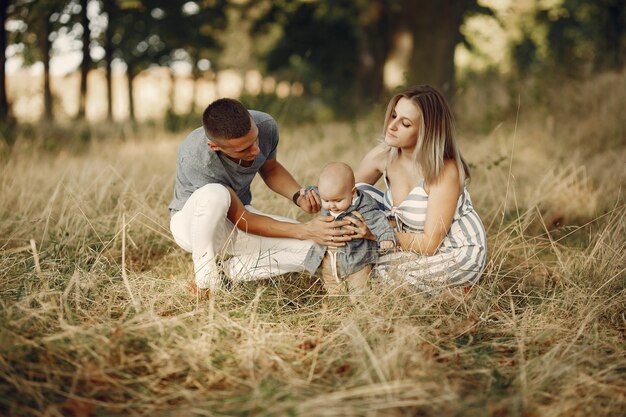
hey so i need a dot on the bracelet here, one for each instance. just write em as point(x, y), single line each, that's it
point(295, 198)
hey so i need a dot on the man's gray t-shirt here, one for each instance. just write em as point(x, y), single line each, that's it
point(198, 165)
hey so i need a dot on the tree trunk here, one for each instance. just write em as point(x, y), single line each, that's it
point(194, 92)
point(435, 27)
point(195, 74)
point(4, 104)
point(172, 98)
point(86, 62)
point(375, 48)
point(108, 56)
point(45, 46)
point(611, 53)
point(130, 76)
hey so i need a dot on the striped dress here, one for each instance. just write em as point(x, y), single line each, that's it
point(461, 257)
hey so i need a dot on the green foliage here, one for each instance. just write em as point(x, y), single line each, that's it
point(40, 20)
point(135, 37)
point(147, 32)
point(292, 110)
point(581, 36)
point(318, 48)
point(588, 32)
point(7, 132)
point(174, 122)
point(525, 56)
point(338, 49)
point(335, 49)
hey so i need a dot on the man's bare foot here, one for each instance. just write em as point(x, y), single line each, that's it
point(207, 272)
point(199, 293)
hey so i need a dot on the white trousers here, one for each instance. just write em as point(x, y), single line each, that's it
point(202, 228)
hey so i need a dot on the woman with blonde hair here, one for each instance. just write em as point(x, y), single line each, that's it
point(441, 239)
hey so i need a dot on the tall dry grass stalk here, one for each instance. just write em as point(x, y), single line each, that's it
point(96, 318)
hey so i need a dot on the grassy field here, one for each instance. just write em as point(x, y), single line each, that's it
point(96, 317)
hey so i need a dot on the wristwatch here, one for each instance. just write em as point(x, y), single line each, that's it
point(295, 198)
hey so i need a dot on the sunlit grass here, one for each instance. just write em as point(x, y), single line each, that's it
point(97, 318)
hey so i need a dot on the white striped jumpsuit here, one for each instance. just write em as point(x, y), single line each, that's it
point(461, 257)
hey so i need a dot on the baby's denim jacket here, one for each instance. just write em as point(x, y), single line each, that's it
point(357, 253)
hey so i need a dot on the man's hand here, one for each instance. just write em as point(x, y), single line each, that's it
point(309, 201)
point(326, 231)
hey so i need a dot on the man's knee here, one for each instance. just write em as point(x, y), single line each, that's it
point(214, 197)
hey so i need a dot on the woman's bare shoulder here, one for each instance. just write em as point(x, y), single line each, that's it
point(372, 165)
point(377, 156)
point(448, 180)
point(450, 170)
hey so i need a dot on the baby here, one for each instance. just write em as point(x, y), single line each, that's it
point(348, 267)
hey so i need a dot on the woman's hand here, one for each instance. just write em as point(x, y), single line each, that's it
point(326, 231)
point(358, 227)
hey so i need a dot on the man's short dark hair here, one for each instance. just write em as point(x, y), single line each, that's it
point(226, 118)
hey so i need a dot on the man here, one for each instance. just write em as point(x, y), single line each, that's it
point(215, 166)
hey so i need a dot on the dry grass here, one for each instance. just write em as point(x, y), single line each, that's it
point(97, 318)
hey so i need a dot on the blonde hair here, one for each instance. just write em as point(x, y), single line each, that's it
point(435, 139)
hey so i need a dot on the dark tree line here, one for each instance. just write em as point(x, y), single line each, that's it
point(582, 37)
point(4, 104)
point(140, 33)
point(344, 44)
point(336, 49)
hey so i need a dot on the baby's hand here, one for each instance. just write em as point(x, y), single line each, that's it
point(386, 244)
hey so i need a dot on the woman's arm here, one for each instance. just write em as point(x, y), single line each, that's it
point(442, 201)
point(372, 165)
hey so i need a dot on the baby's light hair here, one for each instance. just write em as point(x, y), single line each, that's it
point(336, 172)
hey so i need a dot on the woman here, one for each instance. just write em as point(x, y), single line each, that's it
point(441, 239)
